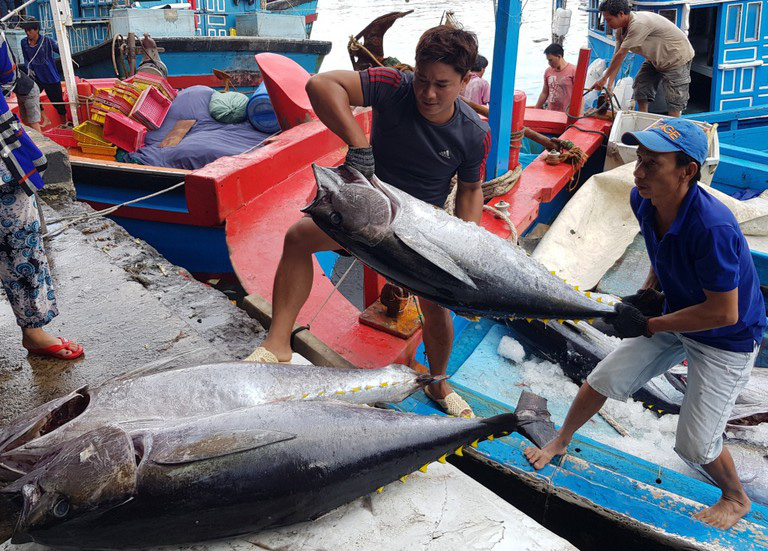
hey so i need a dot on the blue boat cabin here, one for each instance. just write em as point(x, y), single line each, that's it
point(729, 70)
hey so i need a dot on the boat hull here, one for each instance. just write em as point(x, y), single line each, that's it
point(193, 56)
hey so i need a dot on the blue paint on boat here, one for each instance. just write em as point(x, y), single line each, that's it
point(207, 37)
point(630, 490)
point(728, 70)
point(202, 250)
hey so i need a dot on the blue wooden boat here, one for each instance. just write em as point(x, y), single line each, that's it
point(612, 490)
point(194, 40)
point(729, 69)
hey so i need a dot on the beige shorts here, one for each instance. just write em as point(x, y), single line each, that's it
point(675, 81)
point(715, 379)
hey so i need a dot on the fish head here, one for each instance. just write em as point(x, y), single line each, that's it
point(85, 476)
point(348, 203)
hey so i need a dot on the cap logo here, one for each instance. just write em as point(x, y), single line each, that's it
point(668, 129)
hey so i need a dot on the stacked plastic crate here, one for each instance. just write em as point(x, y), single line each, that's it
point(122, 114)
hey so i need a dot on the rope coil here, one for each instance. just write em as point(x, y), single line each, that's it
point(492, 188)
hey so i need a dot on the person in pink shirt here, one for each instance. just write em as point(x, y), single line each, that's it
point(558, 81)
point(478, 90)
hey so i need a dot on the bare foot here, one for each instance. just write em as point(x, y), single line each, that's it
point(540, 457)
point(726, 512)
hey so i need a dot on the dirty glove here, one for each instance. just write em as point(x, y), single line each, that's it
point(649, 301)
point(361, 159)
point(628, 322)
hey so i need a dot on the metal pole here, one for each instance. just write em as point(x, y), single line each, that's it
point(62, 18)
point(17, 10)
point(503, 84)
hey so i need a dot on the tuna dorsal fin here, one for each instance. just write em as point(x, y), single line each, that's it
point(158, 366)
point(422, 246)
point(173, 448)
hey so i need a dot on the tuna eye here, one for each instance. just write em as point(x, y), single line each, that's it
point(61, 508)
point(335, 218)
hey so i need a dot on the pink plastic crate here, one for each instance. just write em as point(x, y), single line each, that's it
point(157, 81)
point(124, 132)
point(151, 108)
point(65, 137)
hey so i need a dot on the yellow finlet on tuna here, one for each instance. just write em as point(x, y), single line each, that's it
point(474, 444)
point(441, 459)
point(423, 468)
point(384, 384)
point(459, 452)
point(403, 478)
point(379, 490)
point(490, 437)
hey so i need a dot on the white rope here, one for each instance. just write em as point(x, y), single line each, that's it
point(76, 219)
point(505, 217)
point(335, 288)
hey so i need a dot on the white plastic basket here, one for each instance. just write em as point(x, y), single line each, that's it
point(619, 154)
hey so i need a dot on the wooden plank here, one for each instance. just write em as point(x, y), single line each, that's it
point(144, 170)
point(305, 343)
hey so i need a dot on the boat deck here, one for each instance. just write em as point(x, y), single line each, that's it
point(646, 497)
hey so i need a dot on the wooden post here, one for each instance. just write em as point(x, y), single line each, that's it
point(62, 19)
point(372, 285)
point(576, 107)
point(518, 121)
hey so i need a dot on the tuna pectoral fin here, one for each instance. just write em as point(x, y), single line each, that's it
point(175, 447)
point(421, 246)
point(533, 419)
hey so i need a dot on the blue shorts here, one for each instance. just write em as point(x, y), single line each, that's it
point(716, 377)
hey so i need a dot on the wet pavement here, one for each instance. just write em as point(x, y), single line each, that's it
point(127, 305)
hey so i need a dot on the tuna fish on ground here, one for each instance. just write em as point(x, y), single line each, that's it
point(457, 264)
point(230, 474)
point(146, 398)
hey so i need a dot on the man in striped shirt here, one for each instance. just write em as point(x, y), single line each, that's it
point(422, 135)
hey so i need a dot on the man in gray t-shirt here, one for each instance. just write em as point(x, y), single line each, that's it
point(422, 135)
point(666, 49)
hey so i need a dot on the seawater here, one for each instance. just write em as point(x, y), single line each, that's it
point(338, 19)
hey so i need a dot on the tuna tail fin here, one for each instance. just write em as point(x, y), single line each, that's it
point(533, 419)
point(425, 379)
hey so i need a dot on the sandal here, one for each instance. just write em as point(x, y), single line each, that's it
point(53, 350)
point(453, 404)
point(262, 355)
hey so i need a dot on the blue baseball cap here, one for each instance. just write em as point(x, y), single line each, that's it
point(670, 135)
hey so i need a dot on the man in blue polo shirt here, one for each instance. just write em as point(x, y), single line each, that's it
point(422, 135)
point(710, 311)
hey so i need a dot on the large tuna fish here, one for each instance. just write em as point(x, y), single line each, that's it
point(230, 474)
point(438, 256)
point(148, 397)
point(751, 407)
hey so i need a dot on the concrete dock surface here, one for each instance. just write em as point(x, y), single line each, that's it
point(126, 305)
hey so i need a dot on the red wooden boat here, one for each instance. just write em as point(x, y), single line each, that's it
point(256, 229)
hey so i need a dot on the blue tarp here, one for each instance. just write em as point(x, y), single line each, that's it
point(207, 141)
